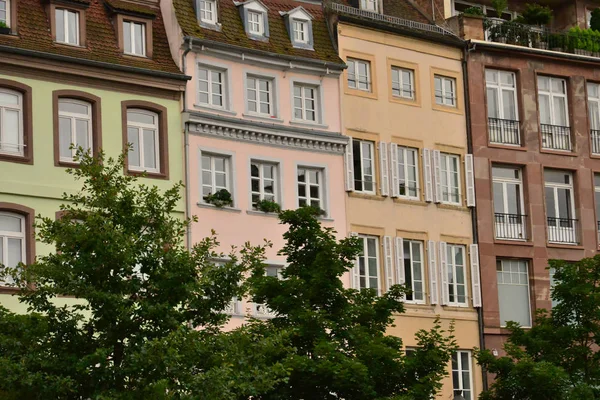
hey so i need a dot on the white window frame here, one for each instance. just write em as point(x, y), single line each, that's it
point(399, 84)
point(403, 169)
point(137, 49)
point(308, 183)
point(74, 117)
point(228, 166)
point(551, 96)
point(208, 11)
point(499, 88)
point(365, 256)
point(256, 89)
point(5, 235)
point(256, 27)
point(459, 371)
point(505, 182)
point(369, 5)
point(4, 147)
point(140, 128)
point(443, 98)
point(451, 266)
point(410, 257)
point(512, 274)
point(300, 29)
point(209, 81)
point(303, 98)
point(355, 78)
point(363, 160)
point(7, 10)
point(66, 25)
point(262, 180)
point(445, 163)
point(555, 186)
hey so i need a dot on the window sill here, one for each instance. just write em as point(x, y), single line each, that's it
point(449, 109)
point(325, 219)
point(215, 109)
point(404, 101)
point(360, 93)
point(215, 26)
point(366, 196)
point(8, 289)
point(455, 207)
point(210, 206)
point(568, 153)
point(516, 147)
point(573, 246)
point(70, 46)
point(136, 56)
point(261, 213)
point(415, 202)
point(303, 46)
point(145, 174)
point(513, 242)
point(308, 124)
point(66, 164)
point(262, 117)
point(16, 158)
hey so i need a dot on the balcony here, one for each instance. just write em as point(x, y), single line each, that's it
point(556, 137)
point(504, 131)
point(510, 226)
point(563, 230)
point(595, 135)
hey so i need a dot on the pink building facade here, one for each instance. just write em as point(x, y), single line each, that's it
point(262, 120)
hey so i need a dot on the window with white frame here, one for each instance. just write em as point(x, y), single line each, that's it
point(208, 11)
point(363, 152)
point(67, 26)
point(368, 263)
point(509, 217)
point(462, 380)
point(211, 87)
point(311, 187)
point(74, 127)
point(450, 178)
point(554, 113)
point(445, 90)
point(263, 181)
point(300, 28)
point(134, 38)
point(260, 95)
point(414, 272)
point(501, 89)
point(560, 206)
point(457, 276)
point(5, 12)
point(12, 240)
point(255, 23)
point(306, 102)
point(408, 172)
point(359, 74)
point(513, 291)
point(369, 5)
point(216, 173)
point(143, 135)
point(403, 83)
point(11, 122)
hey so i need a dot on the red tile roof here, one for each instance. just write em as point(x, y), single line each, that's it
point(34, 34)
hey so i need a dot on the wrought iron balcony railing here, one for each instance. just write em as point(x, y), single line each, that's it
point(556, 137)
point(504, 131)
point(510, 226)
point(595, 135)
point(563, 230)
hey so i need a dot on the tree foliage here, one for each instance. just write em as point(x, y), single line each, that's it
point(558, 357)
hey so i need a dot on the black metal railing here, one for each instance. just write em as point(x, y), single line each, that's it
point(563, 230)
point(556, 137)
point(595, 135)
point(504, 131)
point(510, 226)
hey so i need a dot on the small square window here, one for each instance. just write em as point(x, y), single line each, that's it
point(259, 92)
point(255, 23)
point(67, 26)
point(300, 28)
point(445, 91)
point(208, 11)
point(134, 38)
point(211, 87)
point(359, 74)
point(306, 102)
point(403, 83)
point(369, 5)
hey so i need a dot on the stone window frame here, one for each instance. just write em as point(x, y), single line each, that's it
point(29, 215)
point(26, 92)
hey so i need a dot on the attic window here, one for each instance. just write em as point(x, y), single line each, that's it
point(67, 26)
point(300, 30)
point(134, 38)
point(369, 5)
point(255, 23)
point(254, 16)
point(299, 25)
point(208, 11)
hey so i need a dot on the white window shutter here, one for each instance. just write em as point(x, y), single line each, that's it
point(437, 182)
point(394, 169)
point(400, 261)
point(470, 180)
point(475, 278)
point(388, 262)
point(349, 168)
point(427, 175)
point(444, 274)
point(383, 169)
point(433, 275)
point(355, 272)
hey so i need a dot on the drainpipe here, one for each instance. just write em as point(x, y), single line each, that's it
point(466, 51)
point(188, 204)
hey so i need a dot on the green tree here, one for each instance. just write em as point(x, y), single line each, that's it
point(558, 357)
point(595, 20)
point(338, 335)
point(119, 251)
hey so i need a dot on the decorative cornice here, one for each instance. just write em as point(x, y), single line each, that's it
point(280, 137)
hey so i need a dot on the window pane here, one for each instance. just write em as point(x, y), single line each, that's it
point(8, 223)
point(134, 153)
point(65, 139)
point(11, 130)
point(144, 118)
point(60, 26)
point(73, 34)
point(560, 113)
point(149, 148)
point(82, 134)
point(127, 36)
point(139, 38)
point(492, 103)
point(15, 254)
point(508, 100)
point(73, 107)
point(9, 98)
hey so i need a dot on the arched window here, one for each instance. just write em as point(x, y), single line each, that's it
point(75, 127)
point(11, 122)
point(12, 240)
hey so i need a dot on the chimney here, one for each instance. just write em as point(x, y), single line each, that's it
point(433, 9)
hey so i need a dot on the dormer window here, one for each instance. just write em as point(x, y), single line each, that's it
point(134, 38)
point(299, 25)
point(300, 30)
point(369, 5)
point(208, 11)
point(255, 23)
point(67, 26)
point(254, 16)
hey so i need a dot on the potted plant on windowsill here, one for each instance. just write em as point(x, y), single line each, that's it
point(4, 29)
point(267, 206)
point(222, 198)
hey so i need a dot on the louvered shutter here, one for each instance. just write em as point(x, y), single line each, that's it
point(349, 168)
point(475, 278)
point(444, 274)
point(388, 262)
point(395, 192)
point(437, 184)
point(470, 180)
point(384, 182)
point(400, 261)
point(355, 272)
point(427, 175)
point(433, 275)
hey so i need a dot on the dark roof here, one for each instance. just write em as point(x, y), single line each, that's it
point(232, 29)
point(34, 34)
